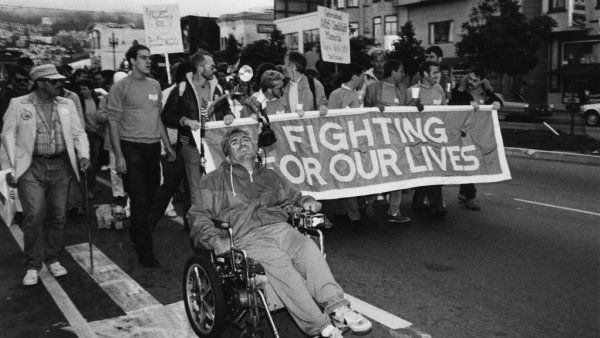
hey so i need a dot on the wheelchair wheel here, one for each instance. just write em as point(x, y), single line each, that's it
point(203, 297)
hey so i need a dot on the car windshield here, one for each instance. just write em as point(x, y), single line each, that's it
point(513, 98)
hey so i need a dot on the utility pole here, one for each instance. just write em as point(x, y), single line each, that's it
point(114, 42)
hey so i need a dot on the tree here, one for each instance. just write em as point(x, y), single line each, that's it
point(408, 49)
point(498, 37)
point(231, 53)
point(359, 50)
point(272, 50)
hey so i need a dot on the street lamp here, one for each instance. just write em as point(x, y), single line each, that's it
point(114, 42)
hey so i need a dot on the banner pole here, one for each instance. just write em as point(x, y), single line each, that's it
point(168, 67)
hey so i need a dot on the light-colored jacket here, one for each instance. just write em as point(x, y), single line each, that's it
point(19, 132)
point(305, 95)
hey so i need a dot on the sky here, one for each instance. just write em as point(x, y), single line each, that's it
point(186, 7)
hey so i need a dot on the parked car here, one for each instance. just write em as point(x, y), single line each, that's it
point(591, 114)
point(512, 105)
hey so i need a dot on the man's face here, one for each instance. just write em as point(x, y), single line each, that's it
point(222, 77)
point(378, 62)
point(53, 87)
point(241, 148)
point(142, 62)
point(98, 80)
point(288, 67)
point(358, 80)
point(398, 75)
point(20, 83)
point(473, 80)
point(206, 68)
point(433, 76)
point(432, 57)
point(80, 77)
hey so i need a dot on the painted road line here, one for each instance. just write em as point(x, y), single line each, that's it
point(122, 289)
point(381, 316)
point(78, 324)
point(558, 207)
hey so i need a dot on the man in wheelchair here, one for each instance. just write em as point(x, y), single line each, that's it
point(250, 198)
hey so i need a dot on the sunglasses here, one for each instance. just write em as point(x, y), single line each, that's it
point(53, 81)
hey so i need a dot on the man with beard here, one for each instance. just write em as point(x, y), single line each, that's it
point(134, 107)
point(186, 110)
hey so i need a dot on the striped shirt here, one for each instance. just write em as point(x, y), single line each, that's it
point(49, 136)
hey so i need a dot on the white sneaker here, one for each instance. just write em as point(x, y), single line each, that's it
point(31, 277)
point(171, 213)
point(346, 317)
point(331, 332)
point(57, 270)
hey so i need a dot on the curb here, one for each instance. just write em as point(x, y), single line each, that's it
point(556, 156)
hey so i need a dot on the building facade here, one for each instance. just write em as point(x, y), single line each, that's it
point(574, 51)
point(109, 42)
point(246, 27)
point(287, 8)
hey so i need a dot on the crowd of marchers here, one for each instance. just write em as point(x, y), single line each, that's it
point(61, 126)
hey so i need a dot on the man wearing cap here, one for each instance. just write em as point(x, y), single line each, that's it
point(44, 141)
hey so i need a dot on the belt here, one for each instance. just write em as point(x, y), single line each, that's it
point(49, 157)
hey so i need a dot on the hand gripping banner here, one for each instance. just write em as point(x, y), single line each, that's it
point(362, 151)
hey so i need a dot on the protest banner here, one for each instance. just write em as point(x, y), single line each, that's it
point(334, 37)
point(163, 31)
point(355, 152)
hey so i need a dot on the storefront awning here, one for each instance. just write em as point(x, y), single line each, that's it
point(577, 69)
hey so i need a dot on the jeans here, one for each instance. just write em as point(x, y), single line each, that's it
point(173, 175)
point(395, 201)
point(96, 143)
point(141, 182)
point(193, 169)
point(434, 195)
point(43, 190)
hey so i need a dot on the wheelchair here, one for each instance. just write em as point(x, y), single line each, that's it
point(232, 289)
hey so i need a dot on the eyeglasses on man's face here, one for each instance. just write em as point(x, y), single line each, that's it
point(53, 81)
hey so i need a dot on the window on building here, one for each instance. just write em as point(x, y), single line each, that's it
point(556, 5)
point(341, 3)
point(353, 27)
point(391, 25)
point(377, 32)
point(310, 38)
point(441, 32)
point(352, 3)
point(291, 41)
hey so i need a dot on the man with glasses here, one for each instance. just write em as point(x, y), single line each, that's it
point(44, 140)
point(136, 130)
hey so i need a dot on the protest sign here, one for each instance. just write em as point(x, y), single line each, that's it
point(354, 152)
point(334, 35)
point(162, 29)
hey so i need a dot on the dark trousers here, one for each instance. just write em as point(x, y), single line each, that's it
point(468, 190)
point(434, 195)
point(173, 176)
point(43, 190)
point(96, 143)
point(141, 182)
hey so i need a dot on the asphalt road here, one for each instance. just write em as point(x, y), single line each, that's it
point(559, 121)
point(514, 269)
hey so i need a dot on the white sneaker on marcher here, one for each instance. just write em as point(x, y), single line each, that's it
point(347, 317)
point(31, 277)
point(171, 213)
point(57, 270)
point(331, 332)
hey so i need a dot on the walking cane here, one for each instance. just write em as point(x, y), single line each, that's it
point(87, 217)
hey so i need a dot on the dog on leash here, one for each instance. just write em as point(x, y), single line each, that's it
point(108, 215)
